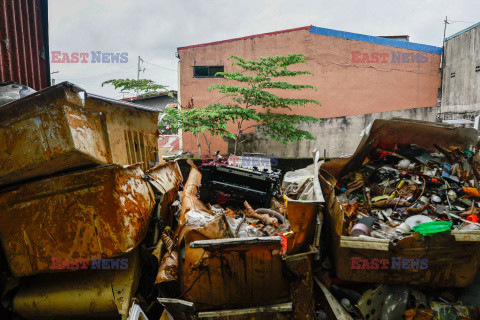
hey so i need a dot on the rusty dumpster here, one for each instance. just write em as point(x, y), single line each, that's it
point(223, 273)
point(100, 212)
point(62, 127)
point(452, 256)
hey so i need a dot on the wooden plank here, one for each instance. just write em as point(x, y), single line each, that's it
point(336, 309)
point(466, 235)
point(364, 243)
point(283, 307)
point(299, 256)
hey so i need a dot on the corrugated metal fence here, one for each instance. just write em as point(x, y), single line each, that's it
point(24, 51)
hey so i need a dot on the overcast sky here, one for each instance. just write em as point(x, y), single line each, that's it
point(154, 29)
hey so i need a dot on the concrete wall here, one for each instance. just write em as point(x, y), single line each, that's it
point(338, 136)
point(461, 94)
point(345, 87)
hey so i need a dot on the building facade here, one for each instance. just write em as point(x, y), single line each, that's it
point(359, 78)
point(461, 76)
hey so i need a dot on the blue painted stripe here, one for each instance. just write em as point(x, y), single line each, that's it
point(376, 40)
point(464, 30)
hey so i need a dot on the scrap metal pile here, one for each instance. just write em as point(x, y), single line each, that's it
point(81, 187)
point(403, 213)
point(410, 189)
point(231, 256)
point(383, 301)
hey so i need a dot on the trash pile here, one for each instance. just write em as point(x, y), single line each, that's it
point(241, 222)
point(410, 189)
point(234, 255)
point(403, 216)
point(377, 302)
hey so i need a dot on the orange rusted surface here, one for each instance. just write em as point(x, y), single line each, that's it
point(131, 130)
point(53, 130)
point(88, 294)
point(101, 212)
point(302, 287)
point(225, 272)
point(190, 200)
point(167, 178)
point(234, 277)
point(303, 219)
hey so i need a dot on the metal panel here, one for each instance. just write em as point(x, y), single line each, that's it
point(240, 275)
point(24, 50)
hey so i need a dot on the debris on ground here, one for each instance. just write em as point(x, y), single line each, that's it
point(234, 255)
point(410, 189)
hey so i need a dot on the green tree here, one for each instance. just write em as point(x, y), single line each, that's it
point(195, 121)
point(141, 87)
point(253, 99)
point(198, 121)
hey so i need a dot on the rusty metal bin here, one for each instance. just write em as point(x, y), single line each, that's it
point(453, 258)
point(101, 212)
point(244, 272)
point(240, 272)
point(55, 130)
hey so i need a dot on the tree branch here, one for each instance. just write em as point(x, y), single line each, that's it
point(255, 125)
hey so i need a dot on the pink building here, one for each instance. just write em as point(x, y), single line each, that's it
point(359, 78)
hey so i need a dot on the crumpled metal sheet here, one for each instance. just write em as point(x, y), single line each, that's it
point(166, 180)
point(168, 266)
point(101, 212)
point(168, 270)
point(190, 200)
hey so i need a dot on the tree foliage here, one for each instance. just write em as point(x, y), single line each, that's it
point(142, 87)
point(253, 98)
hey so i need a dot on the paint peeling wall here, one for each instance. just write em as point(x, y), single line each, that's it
point(24, 51)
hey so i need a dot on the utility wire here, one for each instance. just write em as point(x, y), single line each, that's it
point(156, 65)
point(450, 21)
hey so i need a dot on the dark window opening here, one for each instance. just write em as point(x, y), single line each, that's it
point(452, 75)
point(207, 71)
point(477, 69)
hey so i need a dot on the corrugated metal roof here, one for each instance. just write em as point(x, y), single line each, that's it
point(376, 40)
point(24, 51)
